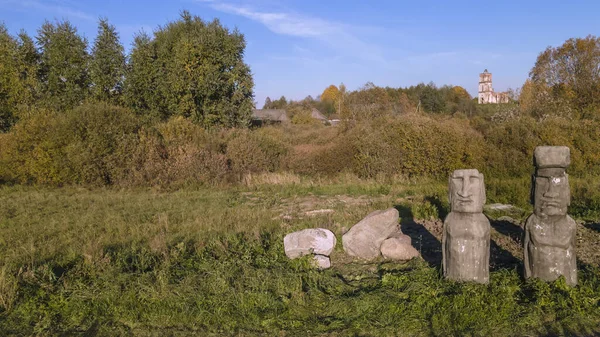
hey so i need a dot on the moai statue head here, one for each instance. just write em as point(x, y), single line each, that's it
point(550, 188)
point(466, 191)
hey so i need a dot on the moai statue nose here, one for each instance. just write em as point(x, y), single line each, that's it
point(464, 191)
point(552, 191)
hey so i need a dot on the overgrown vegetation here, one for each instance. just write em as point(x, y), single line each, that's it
point(188, 68)
point(211, 262)
point(104, 145)
point(134, 200)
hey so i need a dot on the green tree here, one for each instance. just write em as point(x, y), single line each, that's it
point(368, 102)
point(570, 73)
point(18, 77)
point(202, 73)
point(107, 64)
point(281, 103)
point(64, 65)
point(28, 63)
point(9, 79)
point(268, 103)
point(432, 99)
point(140, 91)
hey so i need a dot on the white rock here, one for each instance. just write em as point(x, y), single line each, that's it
point(321, 261)
point(364, 239)
point(309, 241)
point(398, 248)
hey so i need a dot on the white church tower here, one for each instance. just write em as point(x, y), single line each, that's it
point(486, 91)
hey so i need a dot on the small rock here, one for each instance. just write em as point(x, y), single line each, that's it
point(321, 261)
point(309, 241)
point(364, 239)
point(402, 237)
point(398, 248)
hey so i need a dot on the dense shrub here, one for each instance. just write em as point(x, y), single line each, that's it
point(408, 146)
point(253, 152)
point(101, 140)
point(510, 144)
point(100, 144)
point(34, 151)
point(88, 145)
point(176, 153)
point(415, 146)
point(322, 159)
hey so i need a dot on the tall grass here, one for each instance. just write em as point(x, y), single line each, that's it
point(210, 261)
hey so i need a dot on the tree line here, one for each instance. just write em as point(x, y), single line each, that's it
point(564, 82)
point(371, 101)
point(188, 68)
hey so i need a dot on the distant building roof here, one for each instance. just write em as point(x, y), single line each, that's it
point(274, 115)
point(316, 114)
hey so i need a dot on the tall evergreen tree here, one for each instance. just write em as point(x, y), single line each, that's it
point(140, 84)
point(64, 65)
point(107, 64)
point(18, 76)
point(9, 79)
point(28, 63)
point(268, 103)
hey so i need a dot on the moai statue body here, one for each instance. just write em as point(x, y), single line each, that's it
point(466, 236)
point(549, 244)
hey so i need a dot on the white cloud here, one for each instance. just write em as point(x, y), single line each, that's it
point(280, 23)
point(336, 35)
point(57, 8)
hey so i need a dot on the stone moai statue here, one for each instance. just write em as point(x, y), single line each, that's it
point(466, 237)
point(549, 232)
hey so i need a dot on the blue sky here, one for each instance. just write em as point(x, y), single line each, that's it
point(297, 48)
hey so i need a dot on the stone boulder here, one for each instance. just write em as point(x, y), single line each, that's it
point(399, 248)
point(364, 239)
point(309, 241)
point(321, 261)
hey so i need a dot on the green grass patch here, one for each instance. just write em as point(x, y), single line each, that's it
point(211, 262)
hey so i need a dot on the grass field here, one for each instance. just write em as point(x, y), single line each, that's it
point(210, 262)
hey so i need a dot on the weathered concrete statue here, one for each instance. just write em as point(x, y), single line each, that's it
point(466, 237)
point(549, 231)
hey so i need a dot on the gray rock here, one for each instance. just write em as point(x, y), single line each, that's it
point(321, 261)
point(309, 241)
point(398, 248)
point(402, 237)
point(364, 239)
